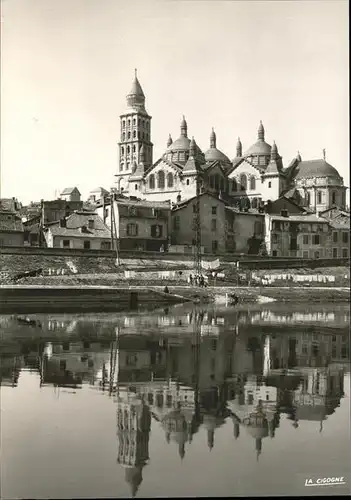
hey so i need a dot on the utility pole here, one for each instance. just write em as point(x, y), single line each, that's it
point(114, 239)
point(197, 228)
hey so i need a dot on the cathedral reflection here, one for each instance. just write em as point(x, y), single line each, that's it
point(190, 374)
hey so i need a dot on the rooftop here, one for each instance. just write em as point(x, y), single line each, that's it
point(76, 221)
point(316, 168)
point(9, 221)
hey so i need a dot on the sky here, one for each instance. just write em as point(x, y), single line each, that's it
point(66, 67)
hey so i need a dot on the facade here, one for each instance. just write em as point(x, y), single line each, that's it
point(80, 230)
point(97, 195)
point(252, 177)
point(11, 229)
point(140, 224)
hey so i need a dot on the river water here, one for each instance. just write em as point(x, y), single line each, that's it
point(185, 401)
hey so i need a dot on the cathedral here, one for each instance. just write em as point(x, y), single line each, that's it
point(253, 177)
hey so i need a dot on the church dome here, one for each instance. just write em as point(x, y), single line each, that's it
point(179, 150)
point(259, 148)
point(214, 154)
point(316, 168)
point(260, 151)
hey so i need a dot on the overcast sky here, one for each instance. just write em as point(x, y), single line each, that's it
point(68, 65)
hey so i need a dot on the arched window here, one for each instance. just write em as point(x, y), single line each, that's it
point(134, 121)
point(123, 136)
point(128, 150)
point(161, 179)
point(121, 167)
point(134, 134)
point(129, 135)
point(122, 151)
point(243, 182)
point(252, 183)
point(152, 181)
point(170, 180)
point(133, 148)
point(308, 198)
point(333, 197)
point(143, 123)
point(128, 165)
point(234, 185)
point(319, 197)
point(128, 123)
point(254, 203)
point(124, 124)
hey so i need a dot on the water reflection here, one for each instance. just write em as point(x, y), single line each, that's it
point(184, 370)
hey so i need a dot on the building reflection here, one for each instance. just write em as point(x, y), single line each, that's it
point(190, 373)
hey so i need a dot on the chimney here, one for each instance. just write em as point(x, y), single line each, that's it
point(91, 223)
point(284, 213)
point(63, 222)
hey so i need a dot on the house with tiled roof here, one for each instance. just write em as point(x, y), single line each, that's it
point(71, 194)
point(11, 229)
point(141, 225)
point(80, 230)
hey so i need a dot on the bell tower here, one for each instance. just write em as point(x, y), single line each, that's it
point(135, 132)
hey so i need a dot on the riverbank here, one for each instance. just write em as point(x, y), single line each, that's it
point(63, 298)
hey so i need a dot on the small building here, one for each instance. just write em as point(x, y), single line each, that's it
point(11, 229)
point(244, 231)
point(140, 225)
point(97, 195)
point(54, 210)
point(81, 230)
point(305, 236)
point(212, 227)
point(70, 194)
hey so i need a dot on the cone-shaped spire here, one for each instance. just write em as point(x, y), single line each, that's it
point(261, 132)
point(184, 127)
point(298, 156)
point(169, 141)
point(274, 152)
point(192, 148)
point(136, 97)
point(239, 148)
point(213, 139)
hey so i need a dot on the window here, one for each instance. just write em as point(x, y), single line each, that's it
point(335, 253)
point(319, 197)
point(152, 181)
point(86, 245)
point(213, 225)
point(131, 359)
point(214, 344)
point(129, 135)
point(315, 239)
point(345, 252)
point(335, 237)
point(135, 187)
point(132, 229)
point(274, 253)
point(214, 210)
point(258, 227)
point(156, 231)
point(275, 238)
point(123, 124)
point(306, 239)
point(65, 346)
point(333, 197)
point(316, 255)
point(123, 136)
point(187, 182)
point(234, 185)
point(134, 134)
point(161, 179)
point(122, 151)
point(243, 182)
point(170, 180)
point(134, 149)
point(345, 237)
point(66, 243)
point(105, 245)
point(269, 184)
point(63, 364)
point(176, 222)
point(214, 246)
point(252, 183)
